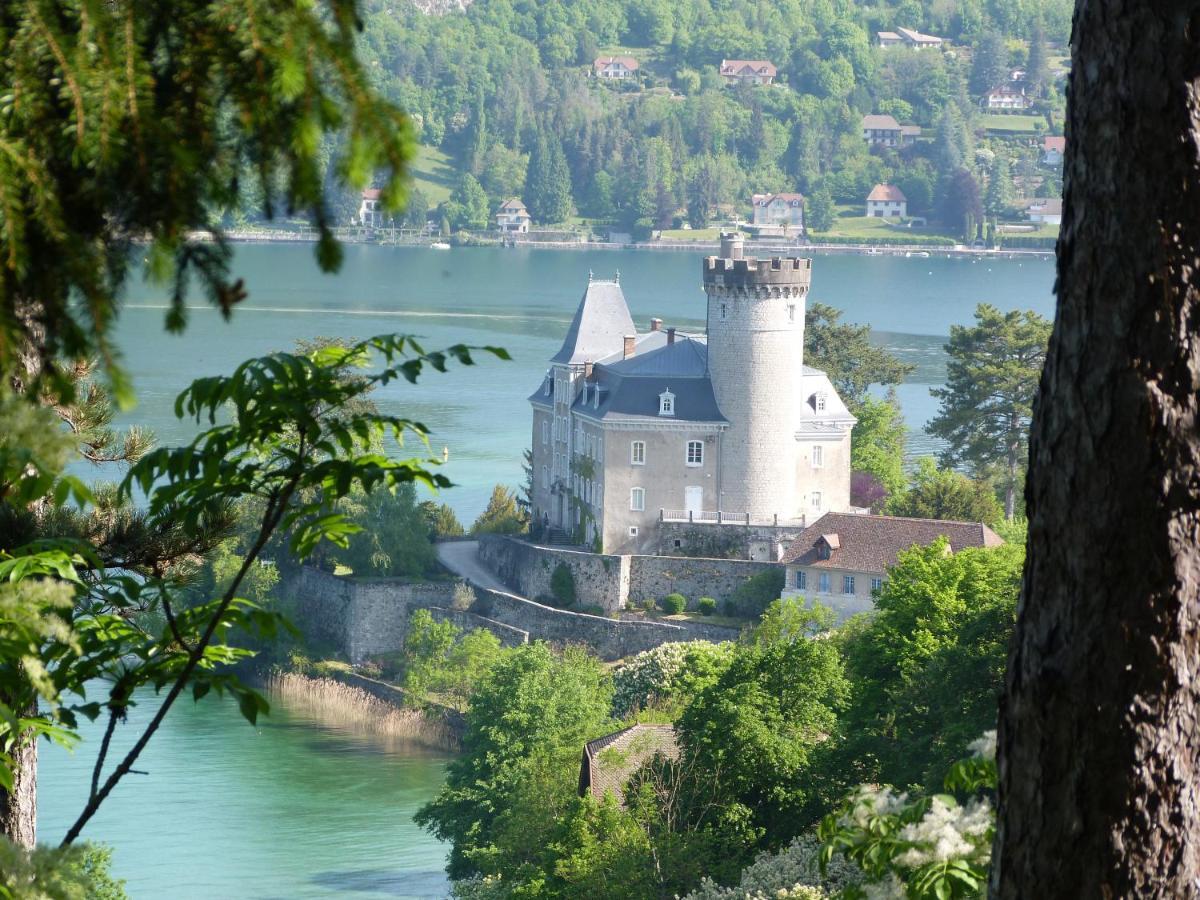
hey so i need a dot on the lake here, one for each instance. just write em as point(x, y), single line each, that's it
point(289, 808)
point(523, 300)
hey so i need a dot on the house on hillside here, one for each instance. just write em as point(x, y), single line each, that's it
point(609, 761)
point(841, 559)
point(1053, 148)
point(747, 71)
point(512, 217)
point(1047, 211)
point(614, 68)
point(907, 37)
point(885, 131)
point(887, 201)
point(370, 212)
point(1007, 96)
point(778, 209)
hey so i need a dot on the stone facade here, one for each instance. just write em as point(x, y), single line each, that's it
point(651, 577)
point(631, 429)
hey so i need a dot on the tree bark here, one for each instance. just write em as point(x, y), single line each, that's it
point(18, 807)
point(1099, 744)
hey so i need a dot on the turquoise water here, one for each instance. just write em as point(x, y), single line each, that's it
point(290, 808)
point(523, 300)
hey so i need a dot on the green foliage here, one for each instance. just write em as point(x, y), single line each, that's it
point(126, 121)
point(754, 732)
point(790, 619)
point(673, 604)
point(928, 667)
point(527, 721)
point(667, 676)
point(440, 658)
point(878, 440)
point(707, 606)
point(80, 872)
point(986, 405)
point(294, 440)
point(562, 586)
point(756, 593)
point(503, 514)
point(925, 848)
point(548, 182)
point(392, 537)
point(847, 355)
point(468, 206)
point(945, 494)
point(819, 211)
point(440, 520)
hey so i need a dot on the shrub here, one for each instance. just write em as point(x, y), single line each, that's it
point(649, 605)
point(757, 593)
point(707, 606)
point(562, 586)
point(673, 604)
point(668, 672)
point(593, 609)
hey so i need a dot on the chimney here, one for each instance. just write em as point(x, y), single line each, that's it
point(656, 324)
point(731, 245)
point(587, 371)
point(670, 336)
point(630, 345)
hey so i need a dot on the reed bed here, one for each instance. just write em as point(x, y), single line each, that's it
point(339, 705)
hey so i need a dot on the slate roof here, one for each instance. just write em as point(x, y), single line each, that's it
point(513, 205)
point(887, 193)
point(875, 122)
point(599, 327)
point(630, 388)
point(918, 38)
point(609, 761)
point(792, 199)
point(872, 543)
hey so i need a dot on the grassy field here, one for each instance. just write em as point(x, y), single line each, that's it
point(692, 234)
point(1013, 122)
point(850, 223)
point(433, 175)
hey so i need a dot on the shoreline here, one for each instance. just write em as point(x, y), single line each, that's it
point(761, 248)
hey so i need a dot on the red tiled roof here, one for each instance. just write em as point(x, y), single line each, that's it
point(887, 193)
point(602, 61)
point(737, 66)
point(609, 761)
point(1051, 142)
point(872, 543)
point(763, 199)
point(371, 194)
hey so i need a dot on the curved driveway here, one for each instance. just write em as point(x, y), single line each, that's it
point(462, 558)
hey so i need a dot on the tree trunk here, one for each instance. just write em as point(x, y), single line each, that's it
point(18, 807)
point(1099, 744)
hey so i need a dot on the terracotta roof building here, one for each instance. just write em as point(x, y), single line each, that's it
point(512, 217)
point(887, 201)
point(748, 71)
point(843, 558)
point(1053, 148)
point(609, 761)
point(614, 67)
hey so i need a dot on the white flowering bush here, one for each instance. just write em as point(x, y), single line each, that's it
point(667, 673)
point(923, 848)
point(794, 872)
point(481, 887)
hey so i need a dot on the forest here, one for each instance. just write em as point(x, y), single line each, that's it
point(500, 97)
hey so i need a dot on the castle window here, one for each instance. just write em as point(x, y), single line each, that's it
point(818, 456)
point(666, 403)
point(876, 585)
point(637, 453)
point(819, 402)
point(823, 583)
point(545, 477)
point(847, 584)
point(724, 310)
point(637, 499)
point(816, 500)
point(545, 432)
point(695, 453)
point(801, 580)
point(633, 531)
point(791, 312)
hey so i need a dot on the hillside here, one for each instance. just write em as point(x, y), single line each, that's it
point(502, 99)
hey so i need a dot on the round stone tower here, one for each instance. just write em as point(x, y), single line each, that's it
point(755, 361)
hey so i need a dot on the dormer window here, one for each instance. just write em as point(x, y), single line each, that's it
point(666, 403)
point(817, 401)
point(596, 398)
point(826, 544)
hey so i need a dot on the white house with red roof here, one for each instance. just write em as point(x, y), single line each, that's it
point(747, 71)
point(778, 209)
point(1006, 96)
point(886, 201)
point(370, 211)
point(614, 68)
point(1053, 148)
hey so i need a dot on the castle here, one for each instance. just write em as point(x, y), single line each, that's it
point(632, 431)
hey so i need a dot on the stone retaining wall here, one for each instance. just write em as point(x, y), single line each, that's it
point(509, 635)
point(600, 579)
point(651, 577)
